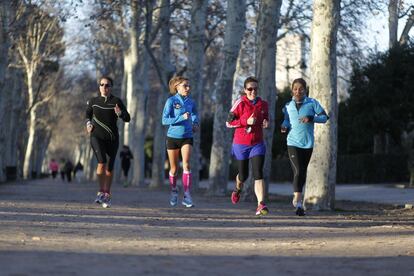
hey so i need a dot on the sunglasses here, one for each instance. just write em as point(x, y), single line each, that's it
point(251, 89)
point(104, 85)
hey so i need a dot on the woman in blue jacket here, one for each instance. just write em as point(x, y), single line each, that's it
point(180, 114)
point(300, 115)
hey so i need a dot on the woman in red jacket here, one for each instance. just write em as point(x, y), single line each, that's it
point(249, 115)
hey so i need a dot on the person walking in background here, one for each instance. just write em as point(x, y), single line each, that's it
point(68, 169)
point(300, 115)
point(62, 163)
point(126, 156)
point(181, 117)
point(78, 172)
point(249, 116)
point(53, 167)
point(102, 113)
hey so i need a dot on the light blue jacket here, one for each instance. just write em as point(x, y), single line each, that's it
point(173, 116)
point(301, 134)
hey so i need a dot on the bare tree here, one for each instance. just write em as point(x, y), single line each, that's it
point(320, 187)
point(166, 72)
point(220, 151)
point(39, 44)
point(196, 46)
point(266, 70)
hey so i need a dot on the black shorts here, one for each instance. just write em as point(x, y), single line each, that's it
point(102, 148)
point(177, 143)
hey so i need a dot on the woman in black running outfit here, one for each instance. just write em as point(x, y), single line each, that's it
point(102, 113)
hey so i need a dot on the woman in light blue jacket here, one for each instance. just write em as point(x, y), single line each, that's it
point(181, 117)
point(300, 115)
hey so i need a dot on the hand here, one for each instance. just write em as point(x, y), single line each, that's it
point(304, 119)
point(265, 123)
point(186, 115)
point(251, 120)
point(283, 129)
point(117, 110)
point(195, 128)
point(89, 127)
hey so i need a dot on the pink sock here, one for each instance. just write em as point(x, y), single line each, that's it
point(186, 181)
point(173, 182)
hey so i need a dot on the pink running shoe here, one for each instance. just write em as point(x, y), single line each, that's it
point(235, 196)
point(262, 209)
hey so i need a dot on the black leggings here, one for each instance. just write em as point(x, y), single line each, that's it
point(257, 166)
point(299, 159)
point(102, 148)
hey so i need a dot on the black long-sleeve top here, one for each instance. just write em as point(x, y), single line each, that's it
point(100, 112)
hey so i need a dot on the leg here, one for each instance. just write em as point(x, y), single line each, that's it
point(173, 155)
point(100, 172)
point(259, 187)
point(294, 162)
point(112, 149)
point(243, 174)
point(186, 155)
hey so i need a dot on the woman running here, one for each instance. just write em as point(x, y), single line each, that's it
point(180, 114)
point(249, 116)
point(300, 115)
point(102, 114)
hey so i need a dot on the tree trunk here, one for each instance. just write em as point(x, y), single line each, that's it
point(196, 45)
point(393, 22)
point(220, 150)
point(28, 157)
point(404, 35)
point(5, 10)
point(320, 187)
point(167, 70)
point(267, 27)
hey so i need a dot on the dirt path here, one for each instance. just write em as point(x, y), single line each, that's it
point(52, 228)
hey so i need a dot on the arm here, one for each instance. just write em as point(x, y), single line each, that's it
point(194, 114)
point(286, 120)
point(166, 118)
point(234, 118)
point(320, 115)
point(124, 115)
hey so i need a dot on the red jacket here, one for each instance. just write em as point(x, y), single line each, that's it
point(241, 111)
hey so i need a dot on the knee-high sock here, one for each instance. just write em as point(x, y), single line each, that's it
point(187, 181)
point(173, 181)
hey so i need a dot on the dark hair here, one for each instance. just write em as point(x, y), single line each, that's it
point(250, 79)
point(299, 80)
point(107, 78)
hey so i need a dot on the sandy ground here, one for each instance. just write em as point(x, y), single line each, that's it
point(53, 228)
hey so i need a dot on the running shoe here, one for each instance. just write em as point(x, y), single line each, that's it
point(106, 201)
point(174, 198)
point(187, 201)
point(300, 212)
point(99, 197)
point(262, 209)
point(235, 196)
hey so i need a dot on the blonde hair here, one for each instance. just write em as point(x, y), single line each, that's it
point(172, 84)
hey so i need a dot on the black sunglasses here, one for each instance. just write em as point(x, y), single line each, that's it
point(105, 85)
point(251, 89)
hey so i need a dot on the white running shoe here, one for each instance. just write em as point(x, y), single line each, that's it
point(187, 201)
point(174, 197)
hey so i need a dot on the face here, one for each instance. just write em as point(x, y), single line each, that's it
point(298, 91)
point(251, 90)
point(183, 88)
point(105, 87)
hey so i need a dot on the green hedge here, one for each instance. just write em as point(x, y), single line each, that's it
point(360, 168)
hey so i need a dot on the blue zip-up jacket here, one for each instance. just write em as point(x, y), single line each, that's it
point(301, 134)
point(172, 116)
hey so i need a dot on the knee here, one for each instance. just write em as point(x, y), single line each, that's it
point(108, 173)
point(186, 166)
point(242, 176)
point(100, 169)
point(258, 175)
